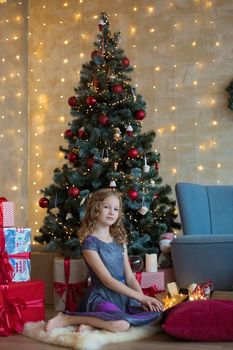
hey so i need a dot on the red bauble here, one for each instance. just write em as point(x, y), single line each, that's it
point(72, 101)
point(103, 119)
point(43, 202)
point(72, 157)
point(73, 192)
point(156, 165)
point(117, 89)
point(96, 53)
point(90, 163)
point(133, 153)
point(125, 61)
point(68, 134)
point(140, 114)
point(82, 133)
point(91, 101)
point(132, 194)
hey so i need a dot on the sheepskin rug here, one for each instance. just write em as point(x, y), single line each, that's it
point(87, 340)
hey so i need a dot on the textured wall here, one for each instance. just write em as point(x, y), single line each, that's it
point(14, 134)
point(183, 58)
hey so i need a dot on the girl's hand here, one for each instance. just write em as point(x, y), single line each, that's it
point(151, 304)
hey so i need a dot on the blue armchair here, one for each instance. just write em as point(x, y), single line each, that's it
point(205, 250)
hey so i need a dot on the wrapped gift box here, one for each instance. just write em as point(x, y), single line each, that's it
point(169, 275)
point(150, 279)
point(25, 297)
point(17, 243)
point(7, 214)
point(70, 283)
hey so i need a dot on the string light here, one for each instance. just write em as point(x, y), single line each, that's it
point(166, 118)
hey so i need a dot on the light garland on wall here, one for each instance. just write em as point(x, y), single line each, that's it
point(13, 104)
point(166, 119)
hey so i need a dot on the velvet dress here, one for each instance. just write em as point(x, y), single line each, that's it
point(101, 302)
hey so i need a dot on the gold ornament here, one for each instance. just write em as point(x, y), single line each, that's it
point(117, 135)
point(55, 211)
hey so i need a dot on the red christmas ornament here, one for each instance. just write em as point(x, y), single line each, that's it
point(103, 119)
point(82, 133)
point(72, 101)
point(129, 130)
point(96, 53)
point(125, 61)
point(68, 134)
point(156, 196)
point(117, 89)
point(43, 202)
point(91, 101)
point(73, 192)
point(140, 114)
point(90, 163)
point(72, 157)
point(156, 165)
point(133, 153)
point(132, 194)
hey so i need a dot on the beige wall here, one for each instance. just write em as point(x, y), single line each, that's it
point(182, 52)
point(14, 135)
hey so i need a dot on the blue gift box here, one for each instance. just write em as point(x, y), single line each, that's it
point(18, 247)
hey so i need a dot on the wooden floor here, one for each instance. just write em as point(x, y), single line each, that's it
point(159, 341)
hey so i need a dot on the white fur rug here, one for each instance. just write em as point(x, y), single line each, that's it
point(88, 340)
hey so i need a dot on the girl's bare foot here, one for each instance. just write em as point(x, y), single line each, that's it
point(84, 327)
point(58, 321)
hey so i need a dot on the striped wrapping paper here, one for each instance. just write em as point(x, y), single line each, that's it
point(153, 278)
point(7, 214)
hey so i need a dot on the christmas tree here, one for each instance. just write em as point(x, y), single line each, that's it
point(106, 148)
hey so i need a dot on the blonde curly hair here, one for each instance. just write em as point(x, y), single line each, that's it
point(92, 213)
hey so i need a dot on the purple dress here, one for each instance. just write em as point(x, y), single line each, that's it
point(104, 303)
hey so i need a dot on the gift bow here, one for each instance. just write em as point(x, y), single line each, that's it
point(150, 291)
point(72, 289)
point(11, 319)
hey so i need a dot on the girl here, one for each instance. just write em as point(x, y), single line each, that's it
point(114, 299)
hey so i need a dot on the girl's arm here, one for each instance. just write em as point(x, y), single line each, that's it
point(96, 264)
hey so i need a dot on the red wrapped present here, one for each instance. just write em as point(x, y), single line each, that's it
point(169, 275)
point(7, 214)
point(20, 303)
point(70, 276)
point(151, 282)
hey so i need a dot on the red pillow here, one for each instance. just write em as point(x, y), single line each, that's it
point(201, 320)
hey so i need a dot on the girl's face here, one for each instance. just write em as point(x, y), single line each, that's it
point(109, 211)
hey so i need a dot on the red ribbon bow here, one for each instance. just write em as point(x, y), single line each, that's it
point(11, 319)
point(73, 290)
point(150, 291)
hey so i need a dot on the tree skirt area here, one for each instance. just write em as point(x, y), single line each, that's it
point(87, 340)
